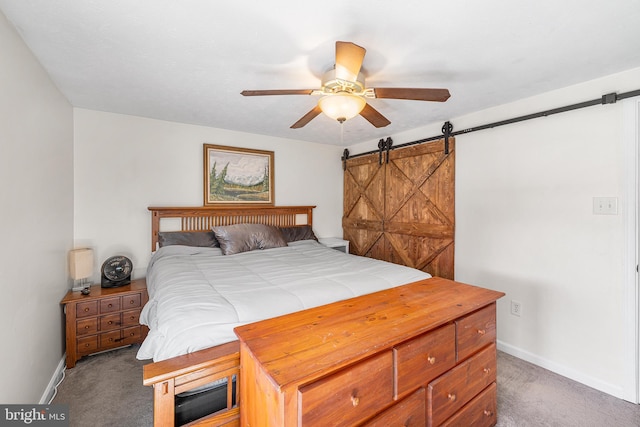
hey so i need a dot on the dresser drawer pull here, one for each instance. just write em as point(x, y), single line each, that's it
point(481, 332)
point(132, 302)
point(486, 370)
point(451, 397)
point(431, 359)
point(87, 327)
point(86, 309)
point(110, 305)
point(355, 401)
point(488, 413)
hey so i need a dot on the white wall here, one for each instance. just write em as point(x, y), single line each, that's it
point(524, 226)
point(124, 164)
point(36, 220)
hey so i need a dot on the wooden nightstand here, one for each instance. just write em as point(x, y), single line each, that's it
point(105, 319)
point(335, 243)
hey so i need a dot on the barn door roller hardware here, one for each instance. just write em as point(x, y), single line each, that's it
point(384, 145)
point(345, 157)
point(447, 128)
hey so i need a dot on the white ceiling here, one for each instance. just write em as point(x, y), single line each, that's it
point(188, 60)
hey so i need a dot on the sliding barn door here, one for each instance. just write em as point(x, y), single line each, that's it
point(403, 211)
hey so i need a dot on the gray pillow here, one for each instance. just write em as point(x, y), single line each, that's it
point(300, 232)
point(238, 238)
point(188, 238)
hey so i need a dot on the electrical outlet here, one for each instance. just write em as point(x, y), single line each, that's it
point(516, 308)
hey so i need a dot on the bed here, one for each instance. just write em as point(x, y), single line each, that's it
point(201, 288)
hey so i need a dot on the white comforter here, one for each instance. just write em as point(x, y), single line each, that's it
point(197, 295)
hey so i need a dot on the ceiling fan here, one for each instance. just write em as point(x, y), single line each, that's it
point(344, 94)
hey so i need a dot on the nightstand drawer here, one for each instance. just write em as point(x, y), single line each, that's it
point(131, 318)
point(110, 339)
point(131, 301)
point(85, 309)
point(131, 335)
point(109, 305)
point(111, 321)
point(87, 345)
point(87, 326)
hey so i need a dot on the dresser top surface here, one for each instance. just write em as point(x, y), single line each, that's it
point(304, 345)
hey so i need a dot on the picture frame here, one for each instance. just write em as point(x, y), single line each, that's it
point(238, 176)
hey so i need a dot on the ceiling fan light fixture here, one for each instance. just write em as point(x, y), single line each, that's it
point(342, 106)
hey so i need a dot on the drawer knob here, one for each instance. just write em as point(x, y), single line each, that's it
point(86, 309)
point(355, 401)
point(481, 332)
point(110, 305)
point(431, 359)
point(451, 397)
point(488, 413)
point(486, 370)
point(132, 302)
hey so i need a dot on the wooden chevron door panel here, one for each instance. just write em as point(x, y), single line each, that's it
point(403, 211)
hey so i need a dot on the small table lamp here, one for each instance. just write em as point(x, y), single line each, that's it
point(80, 267)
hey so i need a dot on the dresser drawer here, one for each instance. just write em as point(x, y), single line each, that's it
point(349, 396)
point(85, 309)
point(421, 359)
point(87, 345)
point(407, 413)
point(451, 391)
point(130, 318)
point(87, 326)
point(475, 331)
point(480, 412)
point(109, 305)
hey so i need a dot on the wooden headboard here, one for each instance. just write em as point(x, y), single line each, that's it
point(203, 218)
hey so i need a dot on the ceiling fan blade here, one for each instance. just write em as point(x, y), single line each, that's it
point(416, 94)
point(374, 117)
point(307, 118)
point(277, 92)
point(349, 57)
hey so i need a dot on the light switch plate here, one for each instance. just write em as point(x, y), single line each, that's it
point(605, 206)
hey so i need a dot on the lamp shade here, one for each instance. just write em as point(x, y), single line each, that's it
point(342, 106)
point(81, 263)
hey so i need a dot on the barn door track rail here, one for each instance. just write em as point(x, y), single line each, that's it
point(447, 127)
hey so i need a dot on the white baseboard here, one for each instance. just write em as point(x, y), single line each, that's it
point(572, 374)
point(50, 391)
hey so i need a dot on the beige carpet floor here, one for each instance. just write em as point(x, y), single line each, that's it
point(107, 390)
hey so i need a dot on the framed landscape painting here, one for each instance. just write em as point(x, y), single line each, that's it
point(237, 176)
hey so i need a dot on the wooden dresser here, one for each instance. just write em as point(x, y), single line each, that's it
point(422, 354)
point(107, 318)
